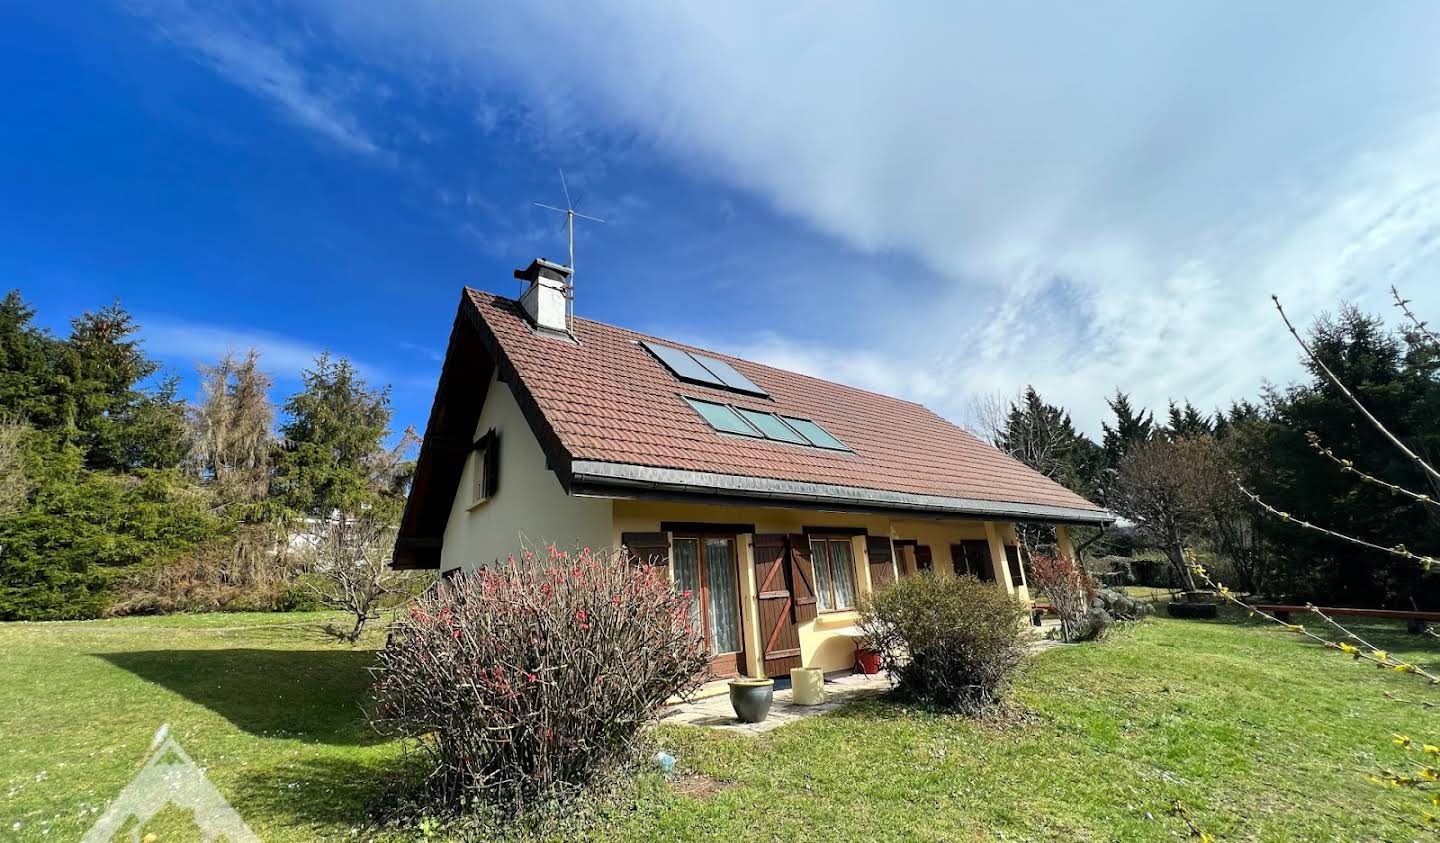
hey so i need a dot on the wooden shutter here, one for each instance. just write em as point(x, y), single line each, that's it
point(882, 560)
point(959, 560)
point(647, 548)
point(802, 578)
point(780, 641)
point(1012, 556)
point(923, 559)
point(492, 464)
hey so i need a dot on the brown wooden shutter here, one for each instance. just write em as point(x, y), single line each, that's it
point(882, 560)
point(959, 560)
point(923, 559)
point(780, 641)
point(492, 464)
point(1012, 556)
point(647, 548)
point(802, 578)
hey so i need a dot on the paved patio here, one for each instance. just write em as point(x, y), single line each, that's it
point(710, 706)
point(715, 712)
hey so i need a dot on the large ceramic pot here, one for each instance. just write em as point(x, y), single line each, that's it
point(751, 698)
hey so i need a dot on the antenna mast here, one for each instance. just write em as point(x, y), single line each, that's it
point(570, 215)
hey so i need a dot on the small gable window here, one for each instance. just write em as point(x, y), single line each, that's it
point(487, 467)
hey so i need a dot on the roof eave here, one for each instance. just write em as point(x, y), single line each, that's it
point(611, 479)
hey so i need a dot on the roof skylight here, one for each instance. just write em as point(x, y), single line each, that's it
point(743, 421)
point(702, 369)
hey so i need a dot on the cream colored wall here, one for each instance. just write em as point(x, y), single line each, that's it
point(530, 504)
point(828, 641)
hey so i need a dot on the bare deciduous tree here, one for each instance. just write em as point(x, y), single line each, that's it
point(1167, 487)
point(230, 438)
point(352, 560)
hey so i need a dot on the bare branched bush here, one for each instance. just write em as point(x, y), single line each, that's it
point(1070, 589)
point(952, 642)
point(529, 681)
point(351, 564)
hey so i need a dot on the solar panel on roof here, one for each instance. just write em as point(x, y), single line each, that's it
point(721, 417)
point(729, 375)
point(771, 426)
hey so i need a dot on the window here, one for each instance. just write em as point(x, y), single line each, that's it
point(698, 368)
point(818, 436)
point(487, 467)
point(722, 417)
point(746, 422)
point(771, 426)
point(834, 573)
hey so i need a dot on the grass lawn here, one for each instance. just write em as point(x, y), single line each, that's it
point(1260, 736)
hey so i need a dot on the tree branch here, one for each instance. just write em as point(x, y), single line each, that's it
point(1398, 550)
point(1348, 467)
point(1334, 379)
point(1422, 328)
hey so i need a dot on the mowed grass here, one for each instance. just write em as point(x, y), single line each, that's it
point(1259, 736)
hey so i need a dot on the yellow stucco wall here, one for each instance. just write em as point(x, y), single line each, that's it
point(828, 641)
point(530, 506)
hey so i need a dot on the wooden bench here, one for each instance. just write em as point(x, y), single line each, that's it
point(1039, 610)
point(1415, 622)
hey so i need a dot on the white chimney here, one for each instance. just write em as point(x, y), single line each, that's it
point(544, 300)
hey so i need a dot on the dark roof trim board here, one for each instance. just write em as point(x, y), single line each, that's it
point(609, 479)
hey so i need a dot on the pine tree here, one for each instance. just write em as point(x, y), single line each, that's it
point(1186, 421)
point(1130, 428)
point(336, 427)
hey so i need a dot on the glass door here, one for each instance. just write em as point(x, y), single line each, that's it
point(706, 567)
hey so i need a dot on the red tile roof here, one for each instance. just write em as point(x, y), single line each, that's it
point(608, 400)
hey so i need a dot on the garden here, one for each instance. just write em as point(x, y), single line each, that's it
point(1256, 735)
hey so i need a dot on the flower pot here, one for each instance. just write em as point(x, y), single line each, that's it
point(868, 661)
point(751, 698)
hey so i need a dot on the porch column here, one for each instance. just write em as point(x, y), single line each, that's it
point(996, 541)
point(750, 609)
point(1062, 542)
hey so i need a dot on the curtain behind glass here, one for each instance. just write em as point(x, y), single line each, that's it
point(686, 553)
point(842, 569)
point(821, 562)
point(724, 608)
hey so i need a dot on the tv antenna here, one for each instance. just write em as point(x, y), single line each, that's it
point(570, 215)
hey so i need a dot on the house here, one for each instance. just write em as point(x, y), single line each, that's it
point(776, 498)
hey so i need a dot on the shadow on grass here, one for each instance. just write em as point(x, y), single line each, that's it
point(310, 695)
point(326, 793)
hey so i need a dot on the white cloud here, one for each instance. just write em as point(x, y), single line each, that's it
point(180, 341)
point(265, 66)
point(1108, 191)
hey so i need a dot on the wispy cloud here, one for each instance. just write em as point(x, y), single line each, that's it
point(1106, 193)
point(1096, 195)
point(184, 343)
point(263, 64)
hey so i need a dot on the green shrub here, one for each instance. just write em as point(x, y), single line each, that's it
point(952, 642)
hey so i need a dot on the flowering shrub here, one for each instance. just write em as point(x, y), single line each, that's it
point(529, 680)
point(1071, 590)
point(953, 642)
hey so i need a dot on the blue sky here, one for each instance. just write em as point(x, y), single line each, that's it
point(935, 201)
